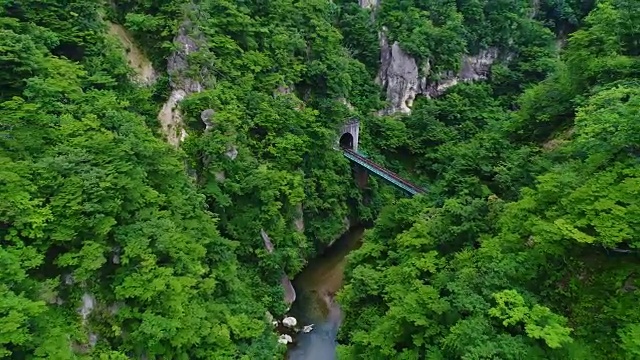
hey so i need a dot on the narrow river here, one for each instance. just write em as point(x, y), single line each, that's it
point(316, 286)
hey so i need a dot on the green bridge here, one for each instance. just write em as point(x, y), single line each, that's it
point(381, 172)
point(348, 143)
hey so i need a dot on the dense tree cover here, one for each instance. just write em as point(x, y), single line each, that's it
point(527, 247)
point(510, 255)
point(98, 211)
point(95, 208)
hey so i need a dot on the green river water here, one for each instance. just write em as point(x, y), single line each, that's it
point(316, 286)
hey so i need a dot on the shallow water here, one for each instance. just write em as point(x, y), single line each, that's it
point(316, 286)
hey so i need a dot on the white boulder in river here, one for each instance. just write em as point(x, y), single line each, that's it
point(289, 321)
point(307, 328)
point(285, 339)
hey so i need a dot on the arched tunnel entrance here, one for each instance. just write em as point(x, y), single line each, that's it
point(346, 141)
point(348, 133)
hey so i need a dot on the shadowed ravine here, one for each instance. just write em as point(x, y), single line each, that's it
point(316, 286)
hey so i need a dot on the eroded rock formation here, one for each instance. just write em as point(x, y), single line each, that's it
point(298, 220)
point(206, 116)
point(232, 152)
point(369, 4)
point(398, 75)
point(181, 84)
point(403, 78)
point(144, 71)
point(472, 68)
point(287, 286)
point(400, 78)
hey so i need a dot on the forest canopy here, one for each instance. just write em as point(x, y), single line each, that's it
point(114, 244)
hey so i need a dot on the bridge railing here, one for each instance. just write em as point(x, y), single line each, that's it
point(393, 177)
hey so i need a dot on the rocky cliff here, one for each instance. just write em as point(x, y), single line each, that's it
point(403, 79)
point(182, 84)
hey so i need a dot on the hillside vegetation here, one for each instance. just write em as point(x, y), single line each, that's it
point(116, 245)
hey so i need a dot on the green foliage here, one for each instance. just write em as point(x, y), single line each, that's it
point(539, 322)
point(430, 32)
point(97, 208)
point(526, 246)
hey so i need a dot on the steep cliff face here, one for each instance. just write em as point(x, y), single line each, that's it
point(144, 72)
point(182, 85)
point(473, 68)
point(403, 79)
point(285, 282)
point(369, 4)
point(400, 77)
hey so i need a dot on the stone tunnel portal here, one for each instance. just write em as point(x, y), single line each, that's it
point(349, 134)
point(346, 141)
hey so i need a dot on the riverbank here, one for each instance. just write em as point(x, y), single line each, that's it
point(316, 287)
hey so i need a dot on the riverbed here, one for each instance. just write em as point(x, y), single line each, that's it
point(316, 287)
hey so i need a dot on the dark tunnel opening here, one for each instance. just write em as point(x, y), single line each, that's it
point(346, 141)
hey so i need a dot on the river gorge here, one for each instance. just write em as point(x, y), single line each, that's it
point(316, 287)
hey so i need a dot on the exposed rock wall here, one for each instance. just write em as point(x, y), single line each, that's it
point(182, 84)
point(171, 118)
point(369, 4)
point(398, 75)
point(287, 286)
point(473, 68)
point(178, 62)
point(400, 78)
point(298, 220)
point(144, 72)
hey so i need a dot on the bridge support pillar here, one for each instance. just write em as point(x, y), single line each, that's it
point(361, 176)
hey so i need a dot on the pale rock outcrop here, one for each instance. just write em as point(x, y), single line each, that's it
point(145, 74)
point(346, 103)
point(267, 241)
point(181, 83)
point(289, 322)
point(369, 4)
point(171, 118)
point(298, 221)
point(284, 89)
point(220, 176)
point(285, 339)
point(232, 152)
point(68, 279)
point(347, 223)
point(178, 62)
point(88, 304)
point(403, 80)
point(93, 339)
point(206, 116)
point(285, 282)
point(398, 75)
point(473, 68)
point(115, 258)
point(289, 290)
point(535, 8)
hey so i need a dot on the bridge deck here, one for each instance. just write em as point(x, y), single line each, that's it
point(382, 172)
